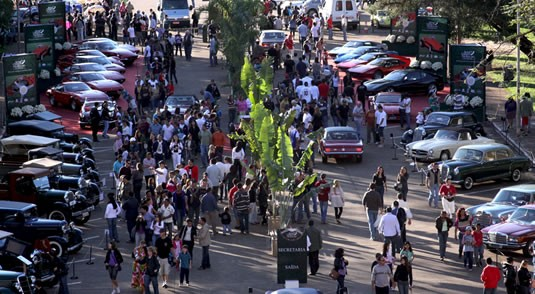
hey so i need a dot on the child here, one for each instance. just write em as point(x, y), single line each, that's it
point(184, 258)
point(225, 220)
point(420, 119)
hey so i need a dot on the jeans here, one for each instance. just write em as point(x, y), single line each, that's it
point(314, 197)
point(205, 263)
point(403, 287)
point(370, 133)
point(184, 273)
point(478, 254)
point(194, 213)
point(433, 195)
point(330, 33)
point(213, 58)
point(324, 205)
point(253, 215)
point(460, 236)
point(151, 280)
point(344, 32)
point(469, 259)
point(244, 221)
point(408, 119)
point(358, 127)
point(394, 244)
point(313, 261)
point(130, 226)
point(372, 218)
point(381, 191)
point(187, 51)
point(442, 240)
point(112, 228)
point(340, 287)
point(204, 154)
point(493, 290)
point(63, 287)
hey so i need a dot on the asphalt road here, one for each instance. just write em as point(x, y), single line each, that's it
point(240, 262)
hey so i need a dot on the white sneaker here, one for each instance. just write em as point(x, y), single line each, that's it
point(118, 290)
point(113, 292)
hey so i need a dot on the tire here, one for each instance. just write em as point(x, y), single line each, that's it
point(432, 87)
point(378, 75)
point(58, 247)
point(468, 183)
point(52, 100)
point(312, 11)
point(444, 155)
point(324, 159)
point(516, 175)
point(73, 105)
point(58, 214)
point(390, 89)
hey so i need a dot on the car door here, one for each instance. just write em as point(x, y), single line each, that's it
point(60, 95)
point(503, 159)
point(409, 83)
point(491, 166)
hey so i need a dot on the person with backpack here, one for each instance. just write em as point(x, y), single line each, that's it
point(509, 275)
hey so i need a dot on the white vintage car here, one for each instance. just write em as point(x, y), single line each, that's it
point(443, 145)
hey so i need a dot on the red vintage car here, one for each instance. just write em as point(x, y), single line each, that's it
point(110, 48)
point(432, 44)
point(95, 67)
point(364, 59)
point(97, 81)
point(390, 102)
point(379, 67)
point(73, 94)
point(341, 142)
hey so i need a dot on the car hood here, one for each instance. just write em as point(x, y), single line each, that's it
point(351, 63)
point(494, 209)
point(340, 50)
point(510, 228)
point(112, 75)
point(44, 222)
point(114, 67)
point(452, 164)
point(106, 84)
point(123, 52)
point(91, 94)
point(429, 144)
point(363, 68)
point(376, 84)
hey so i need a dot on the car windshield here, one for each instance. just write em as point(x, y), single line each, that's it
point(31, 213)
point(106, 45)
point(342, 135)
point(395, 76)
point(523, 216)
point(92, 52)
point(367, 57)
point(446, 135)
point(363, 50)
point(378, 62)
point(100, 60)
point(89, 105)
point(468, 155)
point(92, 77)
point(274, 35)
point(179, 100)
point(42, 183)
point(93, 67)
point(76, 87)
point(174, 4)
point(438, 119)
point(387, 99)
point(352, 44)
point(510, 196)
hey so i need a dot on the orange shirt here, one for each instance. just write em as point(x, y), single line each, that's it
point(218, 139)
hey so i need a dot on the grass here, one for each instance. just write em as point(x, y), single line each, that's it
point(527, 73)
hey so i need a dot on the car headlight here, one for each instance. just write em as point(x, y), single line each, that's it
point(512, 239)
point(430, 152)
point(456, 171)
point(410, 132)
point(423, 132)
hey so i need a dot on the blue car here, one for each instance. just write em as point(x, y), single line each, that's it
point(356, 53)
point(349, 46)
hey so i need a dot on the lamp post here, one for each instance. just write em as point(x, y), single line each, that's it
point(517, 119)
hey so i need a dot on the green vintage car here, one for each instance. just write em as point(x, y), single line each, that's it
point(480, 163)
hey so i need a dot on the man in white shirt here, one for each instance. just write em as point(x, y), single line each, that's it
point(161, 173)
point(305, 93)
point(296, 107)
point(303, 33)
point(167, 211)
point(215, 175)
point(389, 227)
point(406, 104)
point(225, 169)
point(307, 118)
point(314, 92)
point(168, 130)
point(380, 124)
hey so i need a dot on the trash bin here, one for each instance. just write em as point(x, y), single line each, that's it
point(204, 32)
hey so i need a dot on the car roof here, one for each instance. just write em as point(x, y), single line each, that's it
point(339, 129)
point(31, 171)
point(529, 206)
point(47, 150)
point(273, 31)
point(451, 113)
point(72, 82)
point(528, 188)
point(28, 139)
point(42, 163)
point(15, 205)
point(486, 147)
point(41, 125)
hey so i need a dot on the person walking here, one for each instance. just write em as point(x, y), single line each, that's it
point(60, 271)
point(524, 278)
point(106, 118)
point(358, 117)
point(188, 44)
point(509, 275)
point(408, 217)
point(112, 211)
point(379, 179)
point(340, 266)
point(95, 118)
point(382, 277)
point(406, 115)
point(138, 269)
point(187, 234)
point(226, 220)
point(402, 182)
point(432, 182)
point(478, 245)
point(380, 125)
point(323, 196)
point(468, 248)
point(389, 228)
point(344, 27)
point(166, 211)
point(491, 276)
point(209, 209)
point(152, 267)
point(443, 224)
point(403, 276)
point(316, 243)
point(113, 262)
point(241, 205)
point(336, 196)
point(370, 125)
point(204, 242)
point(510, 112)
point(131, 208)
point(164, 246)
point(373, 203)
point(447, 193)
point(462, 221)
point(526, 112)
point(185, 262)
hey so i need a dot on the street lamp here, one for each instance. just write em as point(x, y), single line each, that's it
point(517, 119)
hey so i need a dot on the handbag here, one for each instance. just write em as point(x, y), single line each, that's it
point(334, 274)
point(397, 186)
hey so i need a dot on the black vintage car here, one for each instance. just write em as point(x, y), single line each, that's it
point(69, 142)
point(442, 119)
point(22, 220)
point(406, 80)
point(480, 163)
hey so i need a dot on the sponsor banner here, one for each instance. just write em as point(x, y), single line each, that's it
point(39, 40)
point(433, 33)
point(54, 13)
point(291, 255)
point(20, 81)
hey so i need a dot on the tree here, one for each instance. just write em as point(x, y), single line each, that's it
point(238, 21)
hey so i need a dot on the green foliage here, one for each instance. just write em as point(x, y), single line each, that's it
point(285, 156)
point(309, 179)
point(6, 10)
point(247, 75)
point(305, 157)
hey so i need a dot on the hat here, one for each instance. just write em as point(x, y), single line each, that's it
point(468, 228)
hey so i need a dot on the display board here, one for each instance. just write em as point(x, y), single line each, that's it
point(39, 40)
point(291, 255)
point(433, 33)
point(20, 81)
point(54, 13)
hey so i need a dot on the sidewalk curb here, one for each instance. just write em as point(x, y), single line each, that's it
point(509, 140)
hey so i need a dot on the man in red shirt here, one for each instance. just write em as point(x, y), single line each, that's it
point(478, 245)
point(231, 192)
point(323, 88)
point(490, 277)
point(289, 45)
point(330, 26)
point(192, 170)
point(323, 196)
point(448, 192)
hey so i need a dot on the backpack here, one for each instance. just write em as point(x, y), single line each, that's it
point(402, 216)
point(187, 40)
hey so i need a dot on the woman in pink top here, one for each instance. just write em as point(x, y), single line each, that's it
point(241, 106)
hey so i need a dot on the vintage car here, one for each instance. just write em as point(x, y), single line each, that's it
point(356, 53)
point(48, 158)
point(406, 80)
point(390, 102)
point(15, 148)
point(97, 81)
point(46, 116)
point(349, 46)
point(22, 219)
point(73, 94)
point(364, 59)
point(378, 68)
point(439, 120)
point(84, 119)
point(14, 282)
point(110, 48)
point(95, 67)
point(480, 163)
point(100, 60)
point(340, 142)
point(503, 204)
point(517, 233)
point(182, 102)
point(444, 144)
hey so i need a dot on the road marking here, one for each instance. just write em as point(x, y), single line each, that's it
point(482, 191)
point(91, 238)
point(74, 283)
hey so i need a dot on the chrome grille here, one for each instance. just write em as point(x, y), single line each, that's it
point(416, 152)
point(498, 238)
point(484, 219)
point(417, 135)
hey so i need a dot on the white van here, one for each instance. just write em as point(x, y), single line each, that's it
point(337, 8)
point(177, 12)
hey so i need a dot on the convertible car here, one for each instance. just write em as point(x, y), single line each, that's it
point(364, 59)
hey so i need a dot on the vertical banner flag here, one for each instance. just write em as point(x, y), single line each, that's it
point(54, 13)
point(39, 40)
point(433, 33)
point(20, 81)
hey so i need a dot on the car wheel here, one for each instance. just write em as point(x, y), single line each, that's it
point(444, 155)
point(515, 175)
point(378, 75)
point(57, 246)
point(57, 215)
point(73, 104)
point(431, 88)
point(52, 100)
point(468, 183)
point(390, 89)
point(324, 159)
point(311, 12)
